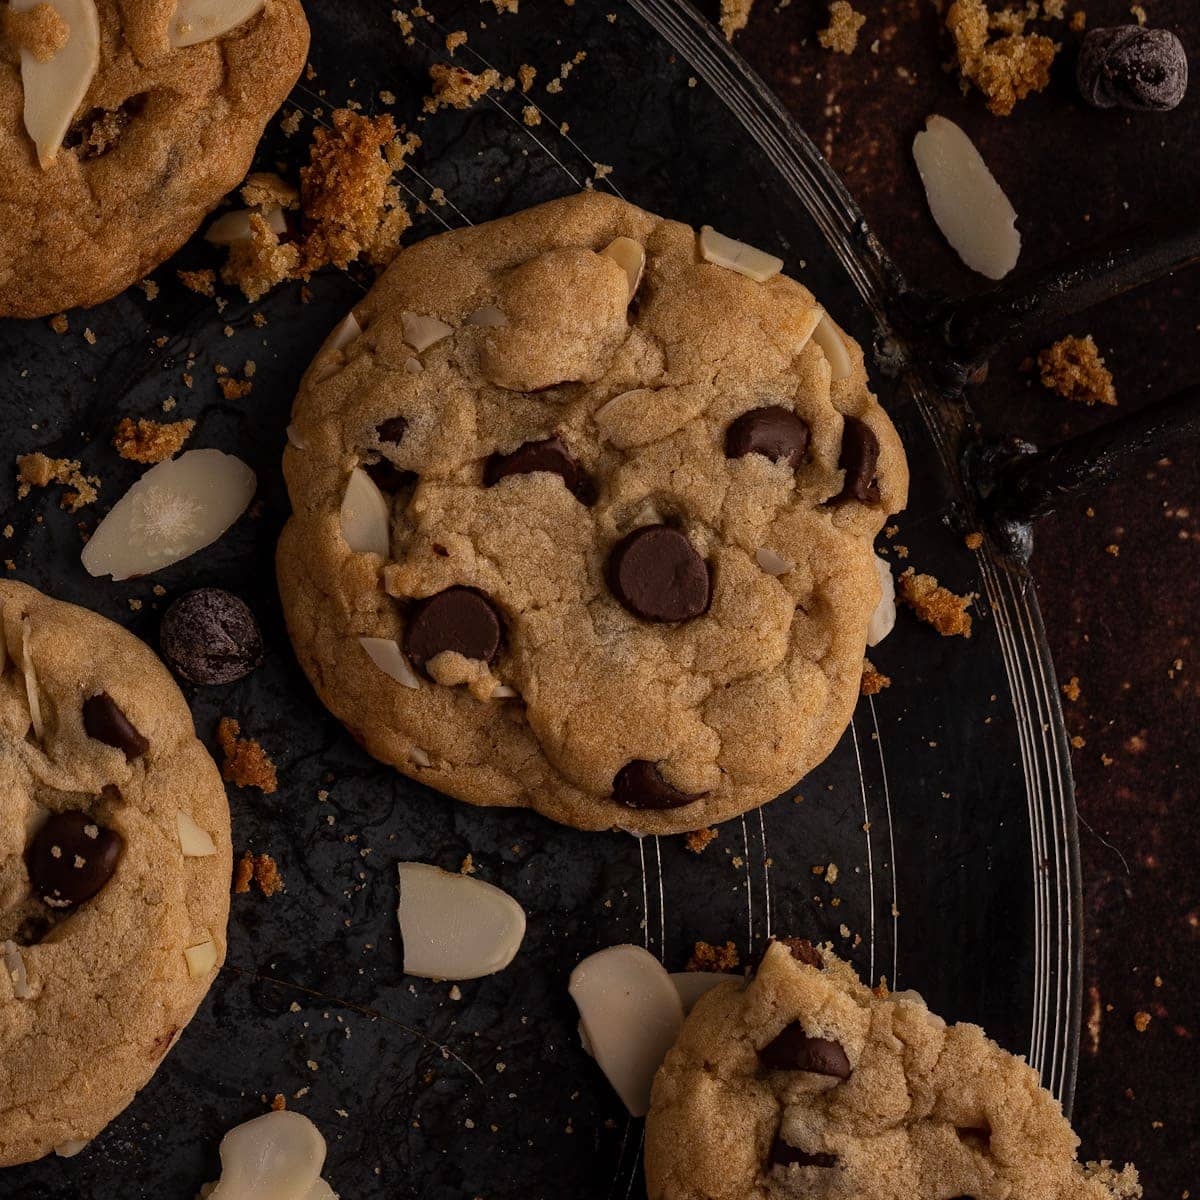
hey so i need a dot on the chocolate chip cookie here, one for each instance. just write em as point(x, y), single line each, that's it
point(807, 1084)
point(121, 126)
point(114, 871)
point(583, 509)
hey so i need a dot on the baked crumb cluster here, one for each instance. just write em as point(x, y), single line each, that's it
point(1005, 68)
point(39, 470)
point(246, 762)
point(841, 35)
point(1074, 369)
point(934, 604)
point(147, 441)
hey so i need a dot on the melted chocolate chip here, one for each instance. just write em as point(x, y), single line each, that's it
point(1132, 67)
point(802, 950)
point(638, 784)
point(105, 722)
point(210, 636)
point(794, 1050)
point(773, 431)
point(783, 1155)
point(71, 858)
point(657, 574)
point(459, 619)
point(859, 459)
point(391, 430)
point(550, 455)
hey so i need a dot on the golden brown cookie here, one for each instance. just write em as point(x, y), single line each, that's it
point(806, 1084)
point(114, 871)
point(583, 519)
point(121, 125)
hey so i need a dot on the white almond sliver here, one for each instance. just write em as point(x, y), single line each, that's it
point(296, 440)
point(193, 841)
point(14, 964)
point(737, 256)
point(630, 256)
point(772, 563)
point(420, 757)
point(347, 330)
point(828, 336)
point(503, 692)
point(631, 1014)
point(365, 515)
point(389, 658)
point(31, 685)
point(277, 1156)
point(200, 959)
point(174, 510)
point(413, 366)
point(489, 316)
point(196, 21)
point(54, 89)
point(72, 1148)
point(234, 226)
point(967, 203)
point(421, 332)
point(883, 619)
point(691, 985)
point(456, 927)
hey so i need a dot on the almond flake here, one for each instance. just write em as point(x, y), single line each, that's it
point(828, 336)
point(421, 332)
point(296, 440)
point(193, 841)
point(72, 1148)
point(489, 316)
point(277, 1156)
point(772, 563)
point(630, 256)
point(420, 757)
point(503, 692)
point(691, 985)
point(364, 515)
point(346, 331)
point(201, 959)
point(196, 21)
point(31, 685)
point(14, 964)
point(389, 658)
point(883, 619)
point(738, 256)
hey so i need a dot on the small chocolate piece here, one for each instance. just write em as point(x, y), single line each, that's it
point(71, 858)
point(391, 430)
point(1132, 67)
point(105, 722)
point(773, 431)
point(459, 619)
point(783, 1155)
point(657, 574)
point(210, 636)
point(551, 455)
point(802, 950)
point(794, 1050)
point(859, 459)
point(638, 784)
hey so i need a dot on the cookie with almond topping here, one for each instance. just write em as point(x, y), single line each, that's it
point(115, 863)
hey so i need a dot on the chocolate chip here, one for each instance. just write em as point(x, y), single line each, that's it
point(657, 574)
point(391, 430)
point(638, 784)
point(773, 431)
point(550, 455)
point(794, 1050)
point(802, 950)
point(783, 1155)
point(105, 722)
point(459, 619)
point(71, 858)
point(210, 636)
point(859, 459)
point(1132, 67)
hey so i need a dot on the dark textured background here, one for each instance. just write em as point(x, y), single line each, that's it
point(1119, 622)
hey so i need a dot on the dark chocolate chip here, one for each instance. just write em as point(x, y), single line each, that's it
point(1132, 67)
point(388, 477)
point(773, 431)
point(859, 459)
point(71, 858)
point(638, 784)
point(802, 950)
point(391, 430)
point(783, 1155)
point(459, 619)
point(105, 722)
point(550, 455)
point(210, 636)
point(794, 1050)
point(657, 574)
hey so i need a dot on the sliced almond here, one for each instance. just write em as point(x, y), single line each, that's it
point(828, 336)
point(72, 1148)
point(738, 256)
point(277, 1156)
point(489, 316)
point(691, 985)
point(201, 959)
point(175, 509)
point(420, 757)
point(234, 226)
point(389, 658)
point(456, 927)
point(883, 619)
point(55, 89)
point(14, 964)
point(347, 330)
point(630, 256)
point(196, 21)
point(365, 515)
point(296, 440)
point(503, 692)
point(772, 563)
point(630, 1014)
point(645, 415)
point(31, 684)
point(967, 203)
point(421, 332)
point(413, 366)
point(193, 841)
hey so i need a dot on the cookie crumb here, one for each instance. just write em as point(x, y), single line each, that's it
point(1070, 689)
point(266, 875)
point(841, 36)
point(873, 680)
point(278, 1102)
point(259, 262)
point(265, 189)
point(468, 867)
point(1074, 369)
point(735, 16)
point(707, 957)
point(973, 540)
point(1006, 69)
point(525, 76)
point(147, 441)
point(531, 115)
point(246, 762)
point(203, 283)
point(698, 839)
point(243, 873)
point(39, 470)
point(59, 323)
point(1141, 1021)
point(936, 605)
point(455, 39)
point(456, 87)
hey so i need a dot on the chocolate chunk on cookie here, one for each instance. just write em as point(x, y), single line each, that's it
point(104, 721)
point(639, 784)
point(773, 431)
point(550, 455)
point(859, 458)
point(658, 575)
point(794, 1050)
point(459, 620)
point(71, 858)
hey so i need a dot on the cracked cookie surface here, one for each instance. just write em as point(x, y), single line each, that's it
point(805, 1083)
point(159, 137)
point(109, 935)
point(569, 483)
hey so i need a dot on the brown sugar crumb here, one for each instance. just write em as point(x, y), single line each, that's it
point(735, 16)
point(525, 76)
point(243, 873)
point(203, 283)
point(456, 87)
point(973, 540)
point(246, 763)
point(259, 262)
point(1073, 368)
point(290, 122)
point(1078, 21)
point(40, 30)
point(936, 605)
point(151, 441)
point(502, 6)
point(39, 470)
point(1070, 689)
point(262, 869)
point(1141, 1021)
point(456, 39)
point(278, 1102)
point(841, 36)
point(531, 115)
point(873, 681)
point(468, 867)
point(706, 957)
point(698, 839)
point(265, 189)
point(1005, 69)
point(234, 389)
point(59, 323)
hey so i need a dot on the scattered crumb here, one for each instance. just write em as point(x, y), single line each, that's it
point(698, 839)
point(1141, 1021)
point(1070, 689)
point(841, 36)
point(973, 541)
point(243, 873)
point(706, 957)
point(39, 470)
point(246, 763)
point(936, 605)
point(265, 189)
point(530, 115)
point(456, 39)
point(735, 16)
point(150, 288)
point(456, 87)
point(873, 680)
point(1078, 21)
point(146, 441)
point(831, 874)
point(290, 123)
point(526, 75)
point(257, 263)
point(468, 866)
point(266, 875)
point(233, 388)
point(1005, 69)
point(1073, 368)
point(1138, 13)
point(502, 6)
point(279, 1102)
point(203, 283)
point(59, 323)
